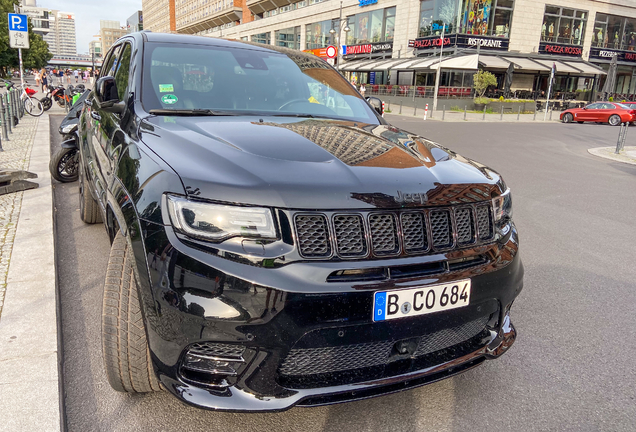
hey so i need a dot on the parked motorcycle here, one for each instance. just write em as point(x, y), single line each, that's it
point(65, 162)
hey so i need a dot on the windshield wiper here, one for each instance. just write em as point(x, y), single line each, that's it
point(293, 115)
point(190, 112)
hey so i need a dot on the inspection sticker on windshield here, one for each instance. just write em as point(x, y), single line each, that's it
point(169, 99)
point(166, 88)
point(390, 305)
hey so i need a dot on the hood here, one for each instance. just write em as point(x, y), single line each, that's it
point(313, 164)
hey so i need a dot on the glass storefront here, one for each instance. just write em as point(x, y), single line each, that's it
point(264, 38)
point(614, 32)
point(318, 35)
point(373, 26)
point(474, 17)
point(288, 38)
point(563, 25)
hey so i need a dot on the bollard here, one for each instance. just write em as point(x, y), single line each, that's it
point(551, 115)
point(484, 118)
point(426, 112)
point(501, 117)
point(535, 114)
point(443, 112)
point(465, 109)
point(9, 113)
point(3, 118)
point(622, 136)
point(519, 114)
point(389, 105)
point(400, 107)
point(415, 112)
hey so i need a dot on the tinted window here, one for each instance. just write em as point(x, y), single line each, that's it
point(111, 65)
point(594, 106)
point(121, 76)
point(247, 81)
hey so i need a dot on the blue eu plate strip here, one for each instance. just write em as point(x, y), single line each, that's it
point(379, 306)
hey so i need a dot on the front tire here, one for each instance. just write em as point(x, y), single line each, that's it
point(614, 120)
point(47, 103)
point(89, 209)
point(64, 165)
point(124, 345)
point(568, 118)
point(33, 107)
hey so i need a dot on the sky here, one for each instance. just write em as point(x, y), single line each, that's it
point(89, 12)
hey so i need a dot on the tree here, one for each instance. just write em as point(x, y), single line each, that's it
point(481, 81)
point(35, 57)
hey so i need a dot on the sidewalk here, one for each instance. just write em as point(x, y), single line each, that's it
point(30, 397)
point(455, 116)
point(628, 155)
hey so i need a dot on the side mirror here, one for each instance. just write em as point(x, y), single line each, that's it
point(107, 96)
point(376, 104)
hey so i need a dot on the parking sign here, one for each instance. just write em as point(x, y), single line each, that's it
point(18, 31)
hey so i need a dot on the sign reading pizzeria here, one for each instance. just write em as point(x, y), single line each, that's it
point(560, 49)
point(607, 54)
point(372, 48)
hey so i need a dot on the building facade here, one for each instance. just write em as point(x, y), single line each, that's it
point(109, 32)
point(57, 28)
point(159, 15)
point(135, 22)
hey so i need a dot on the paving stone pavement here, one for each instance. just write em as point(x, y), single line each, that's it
point(16, 154)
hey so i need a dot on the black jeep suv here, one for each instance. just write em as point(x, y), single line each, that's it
point(274, 241)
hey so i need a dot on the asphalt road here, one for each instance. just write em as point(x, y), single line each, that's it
point(571, 369)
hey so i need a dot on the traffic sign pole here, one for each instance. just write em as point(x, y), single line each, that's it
point(21, 71)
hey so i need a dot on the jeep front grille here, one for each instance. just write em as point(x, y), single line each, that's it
point(353, 235)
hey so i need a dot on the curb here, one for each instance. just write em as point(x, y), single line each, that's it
point(29, 351)
point(608, 153)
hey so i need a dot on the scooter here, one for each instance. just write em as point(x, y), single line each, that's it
point(64, 165)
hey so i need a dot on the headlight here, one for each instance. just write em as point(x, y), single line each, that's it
point(69, 128)
point(502, 208)
point(220, 222)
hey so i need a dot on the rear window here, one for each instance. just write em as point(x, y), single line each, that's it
point(247, 81)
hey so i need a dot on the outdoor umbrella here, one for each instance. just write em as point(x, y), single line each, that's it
point(610, 80)
point(508, 82)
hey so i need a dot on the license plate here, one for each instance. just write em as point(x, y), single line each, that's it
point(390, 305)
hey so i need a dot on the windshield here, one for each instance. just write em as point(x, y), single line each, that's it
point(247, 81)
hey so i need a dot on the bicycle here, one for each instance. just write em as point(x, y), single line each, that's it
point(32, 106)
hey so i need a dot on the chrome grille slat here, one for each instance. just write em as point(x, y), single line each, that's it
point(349, 235)
point(356, 235)
point(383, 233)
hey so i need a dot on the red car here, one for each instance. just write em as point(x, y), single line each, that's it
point(600, 112)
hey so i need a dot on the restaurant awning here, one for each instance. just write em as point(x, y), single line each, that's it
point(354, 65)
point(470, 62)
point(561, 67)
point(527, 64)
point(493, 62)
point(375, 64)
point(388, 65)
point(586, 68)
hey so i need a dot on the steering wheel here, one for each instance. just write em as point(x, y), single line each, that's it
point(291, 102)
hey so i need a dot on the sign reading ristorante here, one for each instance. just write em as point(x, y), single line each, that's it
point(462, 41)
point(560, 49)
point(607, 54)
point(371, 48)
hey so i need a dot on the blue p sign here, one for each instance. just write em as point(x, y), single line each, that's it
point(18, 23)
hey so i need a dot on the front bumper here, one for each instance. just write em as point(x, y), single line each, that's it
point(191, 300)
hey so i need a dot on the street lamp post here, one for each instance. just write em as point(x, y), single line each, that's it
point(340, 29)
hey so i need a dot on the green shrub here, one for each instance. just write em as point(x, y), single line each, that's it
point(611, 99)
point(482, 100)
point(481, 81)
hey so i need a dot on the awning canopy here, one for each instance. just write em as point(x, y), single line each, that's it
point(388, 65)
point(527, 64)
point(470, 62)
point(493, 62)
point(356, 64)
point(585, 68)
point(561, 67)
point(418, 63)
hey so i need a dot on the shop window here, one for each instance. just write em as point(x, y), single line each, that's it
point(288, 38)
point(374, 26)
point(611, 31)
point(563, 25)
point(318, 36)
point(476, 17)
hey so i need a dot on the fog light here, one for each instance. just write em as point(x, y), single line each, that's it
point(208, 365)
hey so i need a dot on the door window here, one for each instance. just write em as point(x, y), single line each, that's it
point(123, 71)
point(594, 106)
point(111, 64)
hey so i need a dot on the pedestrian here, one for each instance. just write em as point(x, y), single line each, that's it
point(37, 78)
point(68, 76)
point(76, 74)
point(85, 78)
point(60, 77)
point(363, 89)
point(44, 80)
